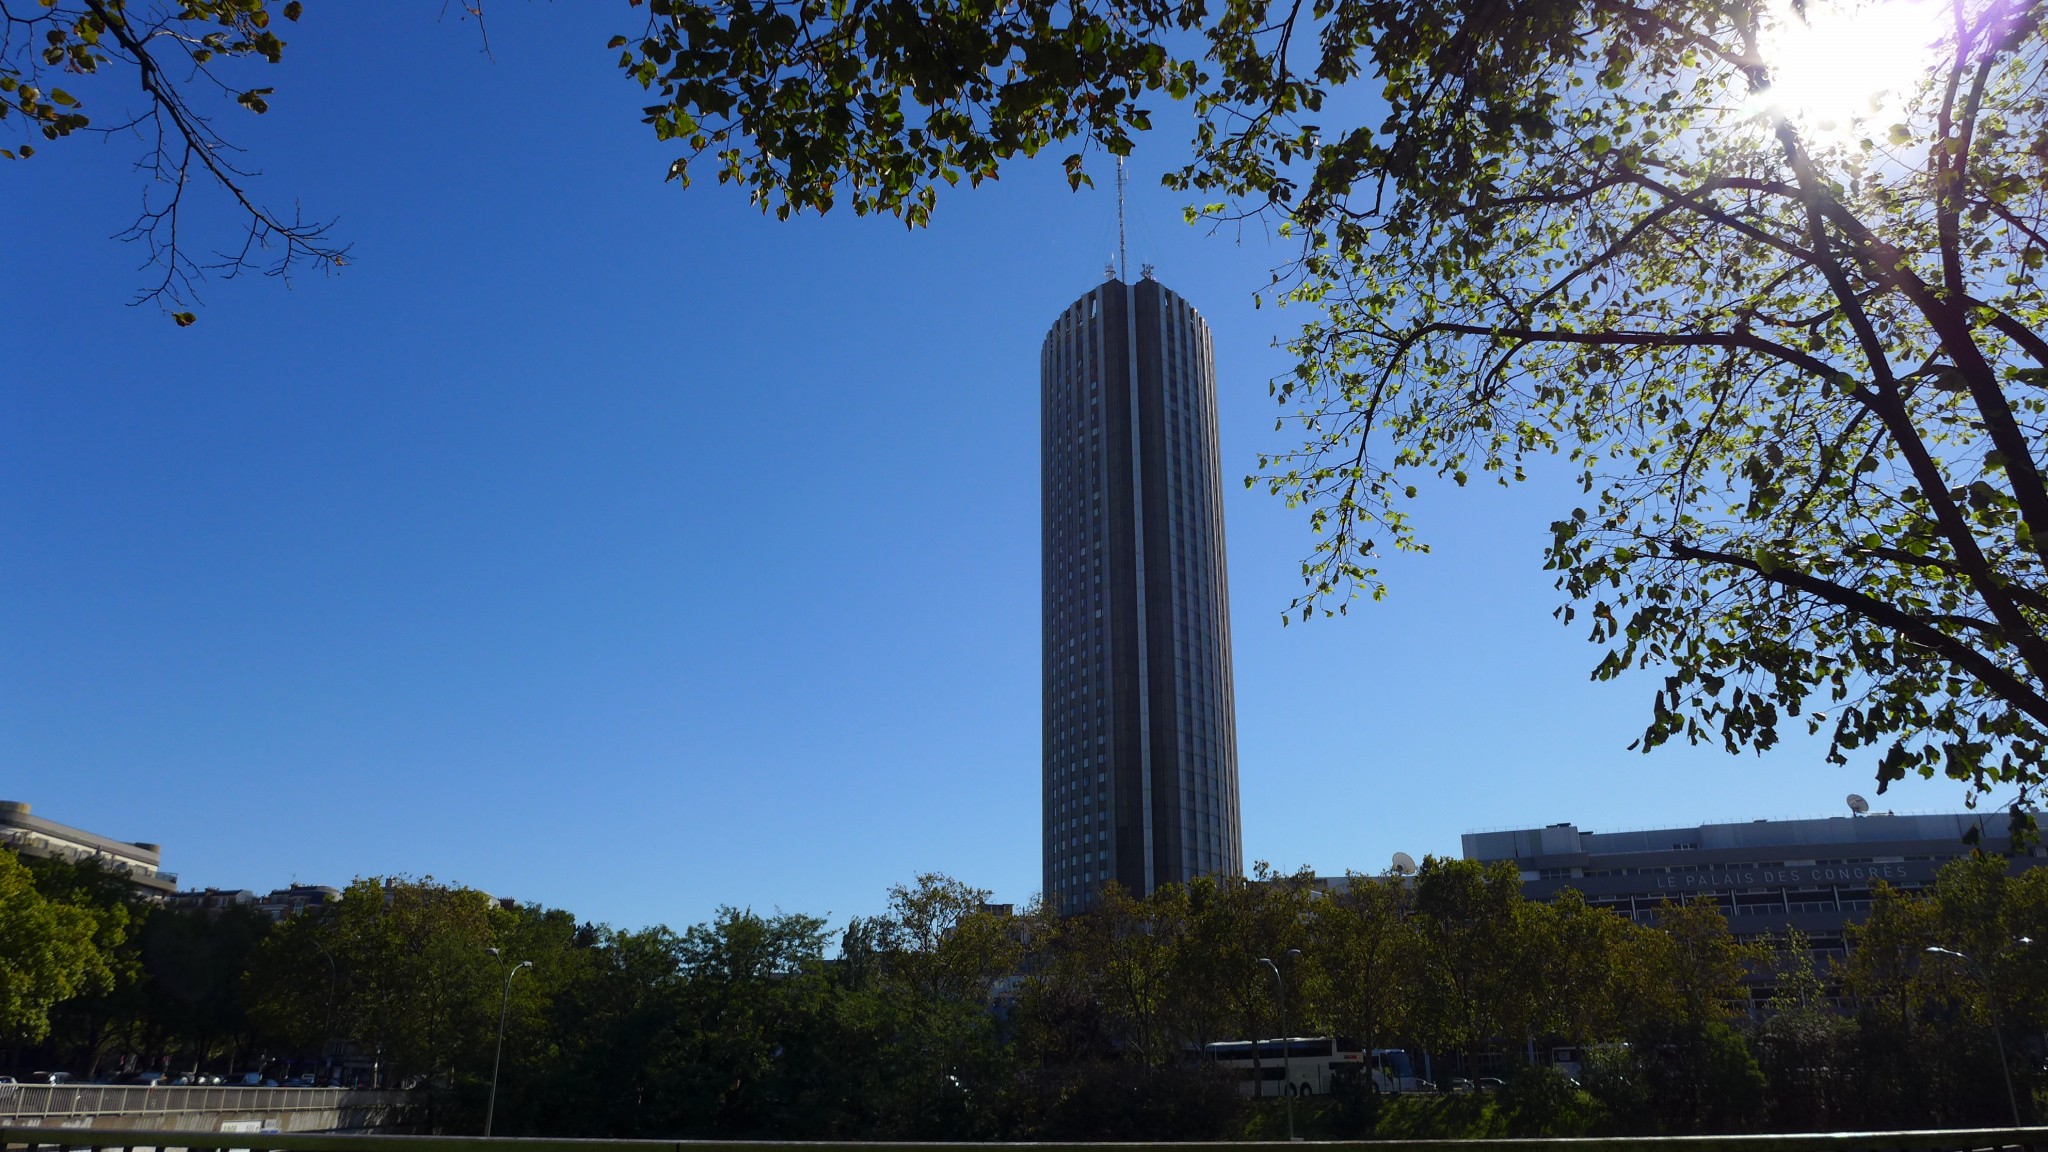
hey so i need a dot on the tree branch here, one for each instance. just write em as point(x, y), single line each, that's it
point(2020, 693)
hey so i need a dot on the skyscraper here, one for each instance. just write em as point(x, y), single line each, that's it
point(1140, 723)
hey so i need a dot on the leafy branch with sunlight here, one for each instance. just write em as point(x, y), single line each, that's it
point(1774, 291)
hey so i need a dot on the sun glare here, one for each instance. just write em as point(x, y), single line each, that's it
point(1845, 62)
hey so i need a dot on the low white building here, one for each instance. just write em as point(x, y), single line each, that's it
point(32, 836)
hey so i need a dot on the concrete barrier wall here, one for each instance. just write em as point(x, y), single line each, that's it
point(199, 1109)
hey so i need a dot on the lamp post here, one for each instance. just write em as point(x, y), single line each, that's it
point(1286, 1051)
point(333, 984)
point(497, 1058)
point(1991, 1002)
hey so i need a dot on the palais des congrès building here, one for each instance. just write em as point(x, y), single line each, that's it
point(1767, 876)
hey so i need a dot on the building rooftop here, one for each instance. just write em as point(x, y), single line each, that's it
point(279, 904)
point(1567, 839)
point(32, 835)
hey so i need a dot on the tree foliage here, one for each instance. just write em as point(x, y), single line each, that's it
point(806, 102)
point(51, 951)
point(1797, 365)
point(401, 965)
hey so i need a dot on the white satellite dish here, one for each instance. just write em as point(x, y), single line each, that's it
point(1404, 864)
point(1858, 804)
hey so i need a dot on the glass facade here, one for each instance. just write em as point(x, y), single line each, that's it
point(1140, 739)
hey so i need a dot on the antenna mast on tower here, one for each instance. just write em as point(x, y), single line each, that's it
point(1121, 268)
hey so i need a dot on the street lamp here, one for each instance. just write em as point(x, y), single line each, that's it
point(1991, 1001)
point(504, 1002)
point(1286, 1050)
point(333, 983)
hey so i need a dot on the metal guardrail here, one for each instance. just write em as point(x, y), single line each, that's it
point(60, 1101)
point(107, 1140)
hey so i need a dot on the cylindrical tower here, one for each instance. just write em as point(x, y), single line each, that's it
point(1140, 739)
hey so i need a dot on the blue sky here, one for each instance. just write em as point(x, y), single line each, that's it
point(609, 545)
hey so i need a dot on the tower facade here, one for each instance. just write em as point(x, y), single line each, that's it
point(1140, 724)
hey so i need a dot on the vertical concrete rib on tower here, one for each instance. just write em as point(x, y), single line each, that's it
point(1140, 731)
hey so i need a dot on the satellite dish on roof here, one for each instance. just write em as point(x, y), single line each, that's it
point(1404, 864)
point(1858, 804)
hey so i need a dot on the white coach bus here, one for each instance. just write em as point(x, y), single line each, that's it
point(1311, 1066)
point(1296, 1066)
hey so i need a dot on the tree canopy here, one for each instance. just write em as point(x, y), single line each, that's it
point(1795, 362)
point(941, 1018)
point(51, 951)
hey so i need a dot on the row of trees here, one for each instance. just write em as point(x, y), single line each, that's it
point(1679, 1024)
point(944, 1018)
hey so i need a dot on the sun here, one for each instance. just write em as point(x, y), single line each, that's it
point(1841, 62)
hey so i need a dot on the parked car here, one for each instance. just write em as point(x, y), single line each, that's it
point(8, 1082)
point(302, 1082)
point(49, 1078)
